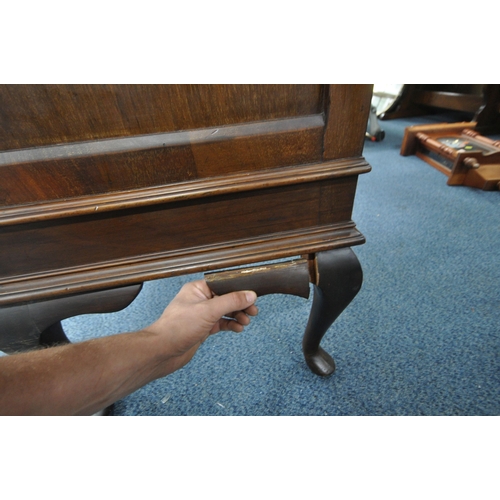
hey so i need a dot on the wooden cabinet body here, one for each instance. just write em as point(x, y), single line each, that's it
point(105, 186)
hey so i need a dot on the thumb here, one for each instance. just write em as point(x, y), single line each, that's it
point(231, 302)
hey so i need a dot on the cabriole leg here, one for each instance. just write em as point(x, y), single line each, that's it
point(338, 279)
point(336, 276)
point(53, 335)
point(27, 326)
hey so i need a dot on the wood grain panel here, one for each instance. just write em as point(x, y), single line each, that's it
point(285, 142)
point(90, 168)
point(39, 115)
point(69, 177)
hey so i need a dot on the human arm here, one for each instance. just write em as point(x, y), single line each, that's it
point(83, 378)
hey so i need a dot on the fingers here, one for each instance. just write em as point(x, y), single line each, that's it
point(252, 310)
point(236, 321)
point(230, 311)
point(225, 305)
point(230, 325)
point(202, 291)
point(241, 318)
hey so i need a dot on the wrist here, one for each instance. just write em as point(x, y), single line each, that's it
point(158, 355)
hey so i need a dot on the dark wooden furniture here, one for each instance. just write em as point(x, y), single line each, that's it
point(480, 101)
point(106, 186)
point(457, 150)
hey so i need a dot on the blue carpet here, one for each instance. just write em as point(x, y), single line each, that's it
point(421, 337)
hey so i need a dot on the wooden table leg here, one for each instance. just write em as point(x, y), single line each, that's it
point(336, 276)
point(27, 326)
point(53, 335)
point(338, 279)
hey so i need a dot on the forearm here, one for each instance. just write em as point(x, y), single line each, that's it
point(80, 379)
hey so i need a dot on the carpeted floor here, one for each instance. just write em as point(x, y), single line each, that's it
point(422, 337)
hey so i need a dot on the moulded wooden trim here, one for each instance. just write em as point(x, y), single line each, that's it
point(121, 272)
point(215, 186)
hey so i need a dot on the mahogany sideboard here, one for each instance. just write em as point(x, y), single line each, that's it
point(103, 187)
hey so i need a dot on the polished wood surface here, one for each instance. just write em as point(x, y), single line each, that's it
point(106, 186)
point(338, 281)
point(291, 277)
point(90, 168)
point(40, 115)
point(263, 172)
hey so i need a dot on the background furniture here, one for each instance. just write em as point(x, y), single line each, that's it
point(456, 149)
point(107, 186)
point(480, 101)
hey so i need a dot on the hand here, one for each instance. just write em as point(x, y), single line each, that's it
point(194, 314)
point(83, 378)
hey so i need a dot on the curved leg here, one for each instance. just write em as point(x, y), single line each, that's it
point(26, 326)
point(96, 302)
point(53, 335)
point(338, 280)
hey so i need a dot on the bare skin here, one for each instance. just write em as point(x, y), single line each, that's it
point(83, 378)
